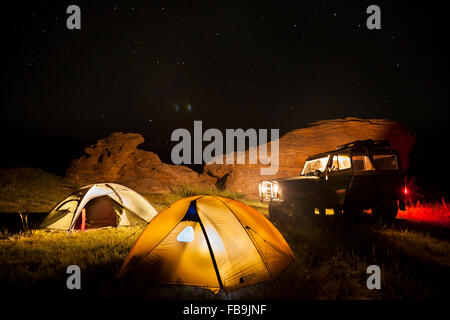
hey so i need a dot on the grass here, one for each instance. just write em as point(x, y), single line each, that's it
point(435, 213)
point(44, 254)
point(331, 258)
point(31, 190)
point(188, 191)
point(160, 201)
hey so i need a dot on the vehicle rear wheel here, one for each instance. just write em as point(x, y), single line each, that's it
point(386, 209)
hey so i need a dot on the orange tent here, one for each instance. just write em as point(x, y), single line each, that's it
point(212, 242)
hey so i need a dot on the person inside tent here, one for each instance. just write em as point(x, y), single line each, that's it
point(83, 219)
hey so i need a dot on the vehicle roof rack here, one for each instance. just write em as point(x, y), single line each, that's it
point(365, 143)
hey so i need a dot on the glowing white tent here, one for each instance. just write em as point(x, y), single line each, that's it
point(97, 206)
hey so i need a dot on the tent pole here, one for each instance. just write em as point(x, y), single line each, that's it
point(211, 253)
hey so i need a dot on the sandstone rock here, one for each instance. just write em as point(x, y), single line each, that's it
point(117, 159)
point(297, 145)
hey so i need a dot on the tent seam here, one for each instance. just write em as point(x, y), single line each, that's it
point(213, 258)
point(256, 246)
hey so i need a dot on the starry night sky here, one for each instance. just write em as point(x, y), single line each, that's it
point(151, 67)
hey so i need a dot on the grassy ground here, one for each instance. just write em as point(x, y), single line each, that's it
point(31, 190)
point(160, 201)
point(435, 213)
point(331, 256)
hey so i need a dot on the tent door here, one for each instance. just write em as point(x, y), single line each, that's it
point(100, 212)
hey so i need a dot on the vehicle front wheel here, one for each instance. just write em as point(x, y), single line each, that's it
point(300, 210)
point(386, 209)
point(278, 214)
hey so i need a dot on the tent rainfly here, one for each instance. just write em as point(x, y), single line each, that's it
point(97, 206)
point(211, 242)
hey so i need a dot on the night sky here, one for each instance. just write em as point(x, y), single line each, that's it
point(151, 67)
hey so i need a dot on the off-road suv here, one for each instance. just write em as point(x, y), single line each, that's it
point(357, 176)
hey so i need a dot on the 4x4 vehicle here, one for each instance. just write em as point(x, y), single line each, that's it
point(356, 176)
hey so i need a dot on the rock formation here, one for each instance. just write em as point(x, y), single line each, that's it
point(297, 145)
point(117, 159)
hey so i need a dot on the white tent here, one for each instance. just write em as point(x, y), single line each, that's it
point(99, 205)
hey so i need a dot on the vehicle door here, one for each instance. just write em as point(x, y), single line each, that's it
point(365, 183)
point(338, 178)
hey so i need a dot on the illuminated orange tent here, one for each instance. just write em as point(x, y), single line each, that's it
point(211, 242)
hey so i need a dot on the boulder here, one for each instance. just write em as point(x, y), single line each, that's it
point(118, 159)
point(295, 146)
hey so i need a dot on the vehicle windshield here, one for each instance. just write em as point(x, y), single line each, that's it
point(316, 164)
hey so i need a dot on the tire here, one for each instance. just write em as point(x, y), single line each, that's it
point(386, 209)
point(302, 211)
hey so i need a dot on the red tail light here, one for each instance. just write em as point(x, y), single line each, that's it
point(405, 191)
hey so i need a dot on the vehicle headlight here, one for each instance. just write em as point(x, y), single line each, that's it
point(275, 188)
point(269, 190)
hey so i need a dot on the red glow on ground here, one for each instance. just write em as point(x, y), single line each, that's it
point(434, 213)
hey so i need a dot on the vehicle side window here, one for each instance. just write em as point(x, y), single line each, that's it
point(340, 162)
point(362, 163)
point(344, 161)
point(385, 161)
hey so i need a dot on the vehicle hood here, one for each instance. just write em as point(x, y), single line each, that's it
point(297, 178)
